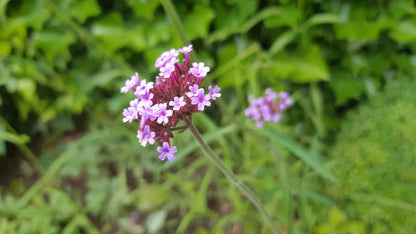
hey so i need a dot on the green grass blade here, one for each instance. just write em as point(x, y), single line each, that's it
point(298, 150)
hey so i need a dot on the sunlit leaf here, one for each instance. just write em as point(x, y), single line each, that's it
point(84, 9)
point(404, 32)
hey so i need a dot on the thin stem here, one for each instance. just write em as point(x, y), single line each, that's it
point(173, 16)
point(231, 176)
point(178, 128)
point(23, 147)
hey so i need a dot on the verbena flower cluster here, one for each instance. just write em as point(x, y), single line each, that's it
point(268, 107)
point(174, 95)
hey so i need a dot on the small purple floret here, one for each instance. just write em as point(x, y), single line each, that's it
point(177, 103)
point(146, 136)
point(201, 100)
point(167, 152)
point(199, 70)
point(214, 92)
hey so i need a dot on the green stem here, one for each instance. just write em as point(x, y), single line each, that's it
point(173, 16)
point(231, 176)
point(23, 147)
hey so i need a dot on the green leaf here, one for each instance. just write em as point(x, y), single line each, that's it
point(13, 138)
point(136, 39)
point(110, 29)
point(336, 217)
point(315, 196)
point(288, 16)
point(84, 9)
point(323, 18)
point(404, 32)
point(297, 150)
point(54, 42)
point(225, 54)
point(307, 66)
point(3, 5)
point(405, 63)
point(33, 13)
point(358, 30)
point(229, 20)
point(264, 14)
point(400, 8)
point(311, 67)
point(5, 48)
point(159, 32)
point(283, 40)
point(145, 8)
point(198, 21)
point(346, 87)
point(145, 196)
point(98, 79)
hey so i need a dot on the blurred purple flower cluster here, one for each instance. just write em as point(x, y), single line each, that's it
point(268, 107)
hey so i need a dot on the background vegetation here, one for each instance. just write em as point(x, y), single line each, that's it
point(341, 161)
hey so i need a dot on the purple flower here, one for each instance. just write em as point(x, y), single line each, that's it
point(214, 92)
point(177, 103)
point(168, 68)
point(201, 99)
point(146, 110)
point(259, 124)
point(186, 49)
point(165, 57)
point(163, 114)
point(134, 103)
point(143, 88)
point(167, 152)
point(193, 90)
point(130, 83)
point(276, 117)
point(269, 107)
point(146, 136)
point(285, 100)
point(129, 114)
point(173, 96)
point(147, 98)
point(284, 95)
point(270, 95)
point(199, 70)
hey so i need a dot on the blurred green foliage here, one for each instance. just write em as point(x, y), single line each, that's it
point(375, 160)
point(62, 64)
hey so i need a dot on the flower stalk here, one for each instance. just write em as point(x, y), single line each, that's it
point(209, 153)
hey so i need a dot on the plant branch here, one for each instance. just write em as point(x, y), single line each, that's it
point(231, 176)
point(173, 16)
point(23, 147)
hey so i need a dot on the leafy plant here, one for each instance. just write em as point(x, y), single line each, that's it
point(375, 160)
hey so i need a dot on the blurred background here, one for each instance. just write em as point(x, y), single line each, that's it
point(342, 160)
